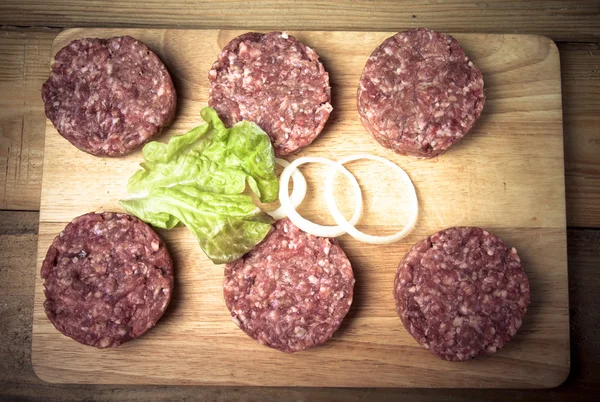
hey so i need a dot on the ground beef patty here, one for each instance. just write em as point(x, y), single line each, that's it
point(292, 291)
point(276, 82)
point(419, 93)
point(461, 293)
point(108, 278)
point(108, 96)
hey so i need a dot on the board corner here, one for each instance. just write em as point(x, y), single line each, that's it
point(42, 372)
point(63, 37)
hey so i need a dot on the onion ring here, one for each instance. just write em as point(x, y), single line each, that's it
point(349, 226)
point(304, 224)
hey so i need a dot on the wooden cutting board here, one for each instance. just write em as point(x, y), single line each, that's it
point(506, 176)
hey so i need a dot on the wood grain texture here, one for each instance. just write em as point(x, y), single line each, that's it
point(581, 99)
point(23, 69)
point(18, 240)
point(560, 20)
point(18, 381)
point(498, 178)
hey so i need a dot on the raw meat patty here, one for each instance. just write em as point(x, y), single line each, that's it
point(109, 96)
point(276, 82)
point(108, 278)
point(461, 293)
point(419, 94)
point(292, 291)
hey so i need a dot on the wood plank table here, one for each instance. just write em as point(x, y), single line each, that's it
point(25, 48)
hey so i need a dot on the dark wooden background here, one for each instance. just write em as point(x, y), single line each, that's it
point(27, 29)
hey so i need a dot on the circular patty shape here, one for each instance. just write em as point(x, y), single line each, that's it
point(461, 293)
point(108, 96)
point(292, 291)
point(108, 278)
point(276, 82)
point(419, 94)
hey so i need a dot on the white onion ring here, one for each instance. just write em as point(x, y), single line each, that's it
point(304, 224)
point(349, 226)
point(298, 193)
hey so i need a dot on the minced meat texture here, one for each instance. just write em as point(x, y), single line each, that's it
point(108, 278)
point(109, 96)
point(292, 291)
point(419, 93)
point(275, 81)
point(461, 293)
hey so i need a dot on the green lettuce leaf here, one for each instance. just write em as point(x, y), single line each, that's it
point(197, 178)
point(213, 158)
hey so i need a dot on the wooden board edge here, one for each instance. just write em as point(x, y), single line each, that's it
point(69, 31)
point(561, 377)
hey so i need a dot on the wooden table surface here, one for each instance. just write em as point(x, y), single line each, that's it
point(28, 28)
